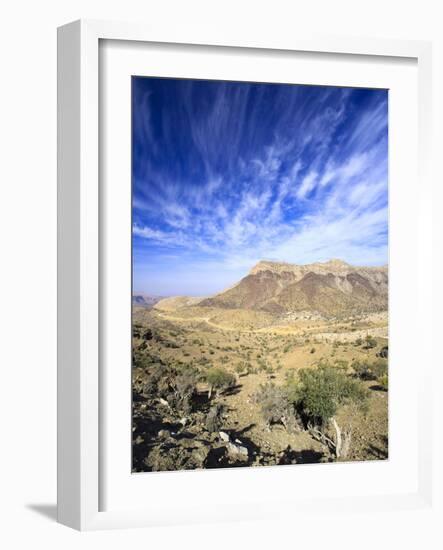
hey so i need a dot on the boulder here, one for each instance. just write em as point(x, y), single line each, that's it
point(224, 436)
point(238, 452)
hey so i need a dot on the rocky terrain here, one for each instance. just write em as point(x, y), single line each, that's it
point(219, 381)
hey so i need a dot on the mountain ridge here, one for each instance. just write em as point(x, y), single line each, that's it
point(330, 288)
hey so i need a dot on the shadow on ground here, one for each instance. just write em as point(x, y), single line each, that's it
point(49, 511)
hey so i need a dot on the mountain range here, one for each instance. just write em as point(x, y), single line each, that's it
point(332, 288)
point(328, 288)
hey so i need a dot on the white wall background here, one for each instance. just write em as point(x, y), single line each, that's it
point(28, 268)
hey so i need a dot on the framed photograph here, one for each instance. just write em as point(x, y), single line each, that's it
point(239, 248)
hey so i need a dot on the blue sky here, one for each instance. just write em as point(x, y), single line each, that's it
point(228, 173)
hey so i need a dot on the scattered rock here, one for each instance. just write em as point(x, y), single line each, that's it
point(224, 436)
point(170, 456)
point(237, 451)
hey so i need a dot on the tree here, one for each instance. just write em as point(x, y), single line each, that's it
point(318, 394)
point(219, 380)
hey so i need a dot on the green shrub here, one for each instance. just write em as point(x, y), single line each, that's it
point(219, 380)
point(319, 393)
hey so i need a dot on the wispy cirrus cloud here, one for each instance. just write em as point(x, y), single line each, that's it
point(226, 174)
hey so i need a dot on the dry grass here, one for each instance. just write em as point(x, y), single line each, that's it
point(271, 350)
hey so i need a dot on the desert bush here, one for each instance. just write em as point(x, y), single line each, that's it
point(241, 368)
point(370, 371)
point(276, 407)
point(170, 344)
point(383, 381)
point(341, 364)
point(312, 350)
point(358, 342)
point(155, 377)
point(219, 380)
point(379, 368)
point(370, 342)
point(262, 365)
point(251, 369)
point(362, 370)
point(214, 418)
point(185, 385)
point(318, 393)
point(290, 376)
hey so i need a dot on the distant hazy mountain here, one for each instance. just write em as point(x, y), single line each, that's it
point(176, 302)
point(330, 288)
point(145, 300)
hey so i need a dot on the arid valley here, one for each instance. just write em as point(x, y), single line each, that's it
point(288, 366)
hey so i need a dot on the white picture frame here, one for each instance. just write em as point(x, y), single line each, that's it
point(79, 264)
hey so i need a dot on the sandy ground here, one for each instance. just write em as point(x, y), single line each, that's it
point(215, 339)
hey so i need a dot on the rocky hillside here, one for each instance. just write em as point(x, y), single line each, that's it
point(330, 288)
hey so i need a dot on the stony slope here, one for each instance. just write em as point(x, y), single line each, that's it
point(330, 288)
